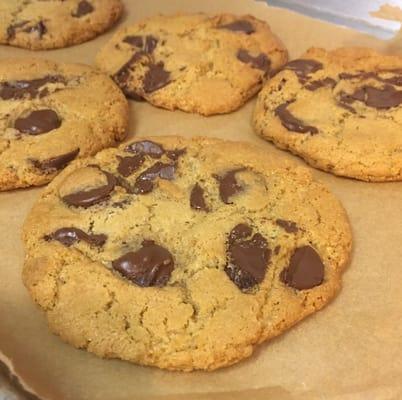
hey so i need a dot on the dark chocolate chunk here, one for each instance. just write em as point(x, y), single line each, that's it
point(261, 61)
point(314, 85)
point(383, 98)
point(175, 154)
point(84, 8)
point(395, 80)
point(228, 185)
point(247, 258)
point(288, 226)
point(303, 67)
point(146, 147)
point(128, 165)
point(16, 90)
point(292, 123)
point(305, 269)
point(240, 25)
point(151, 265)
point(12, 29)
point(150, 44)
point(144, 182)
point(68, 236)
point(88, 198)
point(134, 40)
point(38, 122)
point(155, 78)
point(55, 163)
point(197, 201)
point(39, 28)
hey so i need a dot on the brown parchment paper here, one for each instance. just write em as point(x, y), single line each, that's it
point(351, 350)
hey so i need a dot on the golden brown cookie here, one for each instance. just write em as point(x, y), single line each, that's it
point(182, 254)
point(52, 113)
point(341, 111)
point(40, 25)
point(195, 63)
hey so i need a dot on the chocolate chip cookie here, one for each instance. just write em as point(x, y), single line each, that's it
point(195, 63)
point(39, 25)
point(341, 111)
point(182, 253)
point(52, 113)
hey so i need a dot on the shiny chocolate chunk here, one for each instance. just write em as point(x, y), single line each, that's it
point(84, 8)
point(55, 163)
point(305, 269)
point(261, 61)
point(16, 90)
point(151, 265)
point(134, 40)
point(303, 67)
point(88, 198)
point(155, 78)
point(228, 185)
point(39, 28)
point(292, 123)
point(240, 25)
point(383, 98)
point(150, 44)
point(128, 165)
point(69, 236)
point(197, 201)
point(326, 82)
point(247, 258)
point(38, 122)
point(146, 147)
point(144, 182)
point(288, 226)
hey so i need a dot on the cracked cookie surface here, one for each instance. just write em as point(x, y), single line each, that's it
point(182, 253)
point(195, 63)
point(52, 113)
point(40, 25)
point(341, 111)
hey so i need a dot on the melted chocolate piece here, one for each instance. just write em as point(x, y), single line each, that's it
point(68, 236)
point(151, 265)
point(247, 258)
point(84, 8)
point(144, 182)
point(305, 269)
point(156, 78)
point(314, 85)
point(261, 61)
point(128, 165)
point(12, 29)
point(88, 198)
point(197, 201)
point(292, 123)
point(150, 44)
point(121, 77)
point(136, 41)
point(38, 122)
point(288, 226)
point(303, 67)
point(228, 185)
point(240, 25)
point(55, 163)
point(39, 28)
point(16, 90)
point(146, 147)
point(175, 154)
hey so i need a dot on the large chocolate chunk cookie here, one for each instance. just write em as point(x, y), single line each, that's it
point(52, 113)
point(341, 111)
point(195, 63)
point(182, 254)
